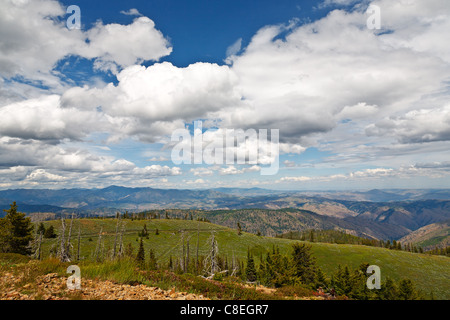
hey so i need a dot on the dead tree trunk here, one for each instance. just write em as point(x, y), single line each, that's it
point(98, 249)
point(79, 242)
point(68, 245)
point(198, 244)
point(62, 254)
point(211, 265)
point(183, 256)
point(115, 238)
point(37, 246)
point(187, 255)
point(121, 251)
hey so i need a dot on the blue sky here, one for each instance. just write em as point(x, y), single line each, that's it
point(356, 107)
point(202, 30)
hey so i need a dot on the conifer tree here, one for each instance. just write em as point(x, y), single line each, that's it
point(152, 262)
point(5, 235)
point(303, 263)
point(388, 290)
point(129, 250)
point(311, 236)
point(321, 280)
point(250, 270)
point(140, 257)
point(50, 233)
point(170, 266)
point(20, 231)
point(41, 229)
point(406, 290)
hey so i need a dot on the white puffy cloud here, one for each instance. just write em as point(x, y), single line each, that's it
point(152, 102)
point(156, 170)
point(34, 40)
point(162, 92)
point(230, 170)
point(40, 175)
point(31, 163)
point(43, 119)
point(417, 126)
point(125, 45)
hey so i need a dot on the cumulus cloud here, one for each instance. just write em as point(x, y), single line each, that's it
point(320, 73)
point(230, 170)
point(159, 99)
point(34, 163)
point(115, 45)
point(43, 119)
point(335, 69)
point(40, 175)
point(34, 40)
point(156, 171)
point(417, 126)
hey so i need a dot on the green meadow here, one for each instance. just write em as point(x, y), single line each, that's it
point(429, 273)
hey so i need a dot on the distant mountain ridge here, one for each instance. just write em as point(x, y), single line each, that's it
point(402, 212)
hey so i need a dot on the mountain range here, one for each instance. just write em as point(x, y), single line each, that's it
point(381, 214)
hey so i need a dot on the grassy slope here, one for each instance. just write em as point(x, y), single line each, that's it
point(430, 273)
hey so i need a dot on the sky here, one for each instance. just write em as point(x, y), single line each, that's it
point(355, 107)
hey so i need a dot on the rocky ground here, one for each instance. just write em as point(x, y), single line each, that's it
point(54, 287)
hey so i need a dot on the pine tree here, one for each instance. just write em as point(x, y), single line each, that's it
point(170, 266)
point(388, 290)
point(41, 229)
point(50, 233)
point(152, 262)
point(321, 280)
point(239, 228)
point(303, 263)
point(140, 257)
point(129, 250)
point(5, 235)
point(250, 270)
point(406, 290)
point(311, 236)
point(21, 231)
